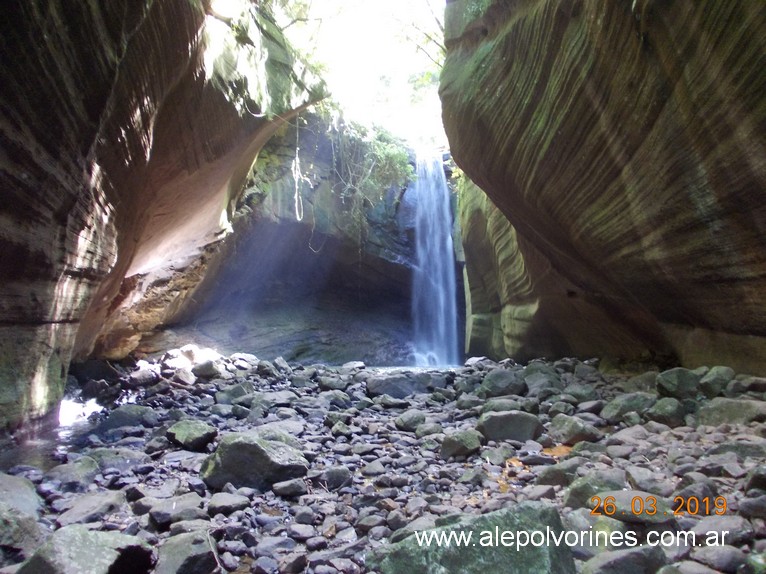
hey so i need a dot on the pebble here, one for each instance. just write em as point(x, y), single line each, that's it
point(380, 462)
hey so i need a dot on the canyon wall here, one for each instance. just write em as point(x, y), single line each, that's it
point(625, 144)
point(126, 133)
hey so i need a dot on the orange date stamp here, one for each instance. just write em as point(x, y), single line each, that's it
point(647, 505)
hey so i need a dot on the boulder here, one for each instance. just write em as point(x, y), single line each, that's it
point(461, 443)
point(410, 420)
point(20, 493)
point(92, 507)
point(20, 534)
point(74, 476)
point(511, 425)
point(486, 552)
point(639, 560)
point(571, 430)
point(617, 408)
point(123, 459)
point(248, 459)
point(188, 553)
point(129, 415)
point(77, 549)
point(399, 385)
point(731, 411)
point(679, 383)
point(668, 411)
point(501, 382)
point(715, 381)
point(192, 434)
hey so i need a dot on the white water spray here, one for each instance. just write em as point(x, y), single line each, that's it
point(434, 305)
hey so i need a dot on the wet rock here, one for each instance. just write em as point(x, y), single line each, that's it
point(248, 459)
point(92, 507)
point(461, 443)
point(77, 549)
point(571, 430)
point(186, 554)
point(191, 434)
point(731, 411)
point(409, 556)
point(19, 493)
point(511, 425)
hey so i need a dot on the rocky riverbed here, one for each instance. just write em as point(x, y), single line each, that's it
point(244, 465)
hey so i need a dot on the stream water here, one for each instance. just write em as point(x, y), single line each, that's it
point(434, 304)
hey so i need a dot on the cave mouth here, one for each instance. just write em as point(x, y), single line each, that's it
point(307, 297)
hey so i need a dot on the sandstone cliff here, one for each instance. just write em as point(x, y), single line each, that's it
point(625, 142)
point(126, 132)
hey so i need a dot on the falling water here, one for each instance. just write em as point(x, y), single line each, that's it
point(434, 306)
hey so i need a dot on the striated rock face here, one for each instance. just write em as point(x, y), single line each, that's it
point(127, 129)
point(625, 144)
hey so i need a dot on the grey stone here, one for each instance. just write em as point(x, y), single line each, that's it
point(499, 455)
point(410, 420)
point(92, 507)
point(74, 476)
point(129, 415)
point(580, 492)
point(123, 459)
point(668, 411)
point(166, 511)
point(77, 549)
point(208, 369)
point(723, 558)
point(426, 429)
point(639, 560)
point(20, 493)
point(225, 503)
point(571, 430)
point(679, 383)
point(20, 533)
point(606, 533)
point(561, 474)
point(756, 478)
point(461, 443)
point(290, 488)
point(398, 385)
point(511, 425)
point(739, 530)
point(715, 381)
point(335, 477)
point(192, 434)
point(500, 405)
point(186, 554)
point(332, 383)
point(731, 411)
point(487, 554)
point(617, 408)
point(501, 382)
point(634, 506)
point(228, 395)
point(247, 459)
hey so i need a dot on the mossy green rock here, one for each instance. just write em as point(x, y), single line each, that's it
point(191, 434)
point(247, 459)
point(484, 553)
point(731, 411)
point(77, 549)
point(618, 407)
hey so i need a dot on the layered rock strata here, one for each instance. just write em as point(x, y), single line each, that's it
point(624, 142)
point(127, 130)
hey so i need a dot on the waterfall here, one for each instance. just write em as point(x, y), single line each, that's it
point(434, 305)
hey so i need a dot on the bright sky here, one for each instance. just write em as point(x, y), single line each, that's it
point(369, 62)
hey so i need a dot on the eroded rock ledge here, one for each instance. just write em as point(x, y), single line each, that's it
point(624, 142)
point(124, 140)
